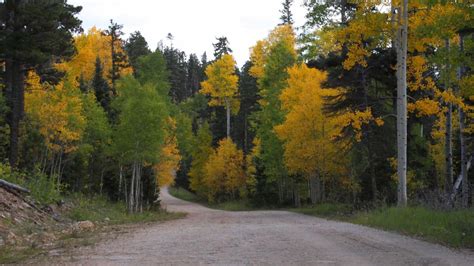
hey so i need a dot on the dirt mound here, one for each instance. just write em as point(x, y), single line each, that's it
point(18, 215)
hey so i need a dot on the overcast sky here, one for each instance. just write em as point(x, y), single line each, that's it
point(194, 23)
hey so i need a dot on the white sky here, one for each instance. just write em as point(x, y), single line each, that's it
point(194, 23)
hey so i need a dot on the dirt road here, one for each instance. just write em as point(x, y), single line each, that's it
point(208, 236)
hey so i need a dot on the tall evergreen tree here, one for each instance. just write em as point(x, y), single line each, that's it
point(194, 76)
point(136, 46)
point(119, 59)
point(248, 92)
point(176, 64)
point(286, 14)
point(221, 47)
point(100, 86)
point(33, 34)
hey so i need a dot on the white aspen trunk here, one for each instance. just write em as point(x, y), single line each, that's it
point(315, 190)
point(402, 104)
point(462, 140)
point(58, 169)
point(227, 107)
point(53, 163)
point(120, 178)
point(132, 190)
point(449, 133)
point(101, 180)
point(137, 188)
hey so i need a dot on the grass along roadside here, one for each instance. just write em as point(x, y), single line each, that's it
point(186, 195)
point(451, 228)
point(109, 218)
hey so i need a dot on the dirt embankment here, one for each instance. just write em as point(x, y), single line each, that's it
point(25, 225)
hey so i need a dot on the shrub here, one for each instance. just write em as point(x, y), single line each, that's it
point(43, 188)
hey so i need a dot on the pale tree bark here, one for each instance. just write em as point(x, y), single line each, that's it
point(449, 132)
point(315, 189)
point(462, 140)
point(402, 37)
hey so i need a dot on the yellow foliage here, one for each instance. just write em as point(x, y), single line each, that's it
point(58, 112)
point(169, 160)
point(424, 107)
point(366, 32)
point(355, 120)
point(89, 46)
point(431, 26)
point(221, 83)
point(306, 131)
point(251, 167)
point(417, 67)
point(224, 171)
point(281, 35)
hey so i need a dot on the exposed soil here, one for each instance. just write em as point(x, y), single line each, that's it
point(209, 236)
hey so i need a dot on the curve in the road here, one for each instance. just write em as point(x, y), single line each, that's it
point(209, 236)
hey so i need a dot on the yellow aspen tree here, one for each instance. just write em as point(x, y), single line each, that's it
point(221, 85)
point(90, 46)
point(58, 112)
point(307, 132)
point(168, 165)
point(224, 171)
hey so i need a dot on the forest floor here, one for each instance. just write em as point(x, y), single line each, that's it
point(210, 236)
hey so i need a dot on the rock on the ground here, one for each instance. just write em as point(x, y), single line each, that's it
point(84, 226)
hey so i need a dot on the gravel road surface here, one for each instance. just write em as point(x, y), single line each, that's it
point(217, 237)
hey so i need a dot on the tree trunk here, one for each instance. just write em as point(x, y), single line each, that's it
point(315, 189)
point(132, 190)
point(462, 140)
point(15, 86)
point(246, 151)
point(449, 134)
point(227, 107)
point(120, 178)
point(296, 196)
point(402, 104)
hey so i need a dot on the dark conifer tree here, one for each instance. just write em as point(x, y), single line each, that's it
point(248, 91)
point(286, 15)
point(194, 76)
point(119, 59)
point(176, 64)
point(136, 46)
point(33, 34)
point(83, 84)
point(101, 87)
point(221, 47)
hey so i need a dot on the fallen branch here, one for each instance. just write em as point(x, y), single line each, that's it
point(16, 190)
point(10, 186)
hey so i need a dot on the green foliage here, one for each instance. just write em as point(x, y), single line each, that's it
point(200, 154)
point(453, 228)
point(101, 86)
point(136, 47)
point(43, 188)
point(236, 205)
point(280, 57)
point(97, 208)
point(140, 133)
point(184, 194)
point(151, 70)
